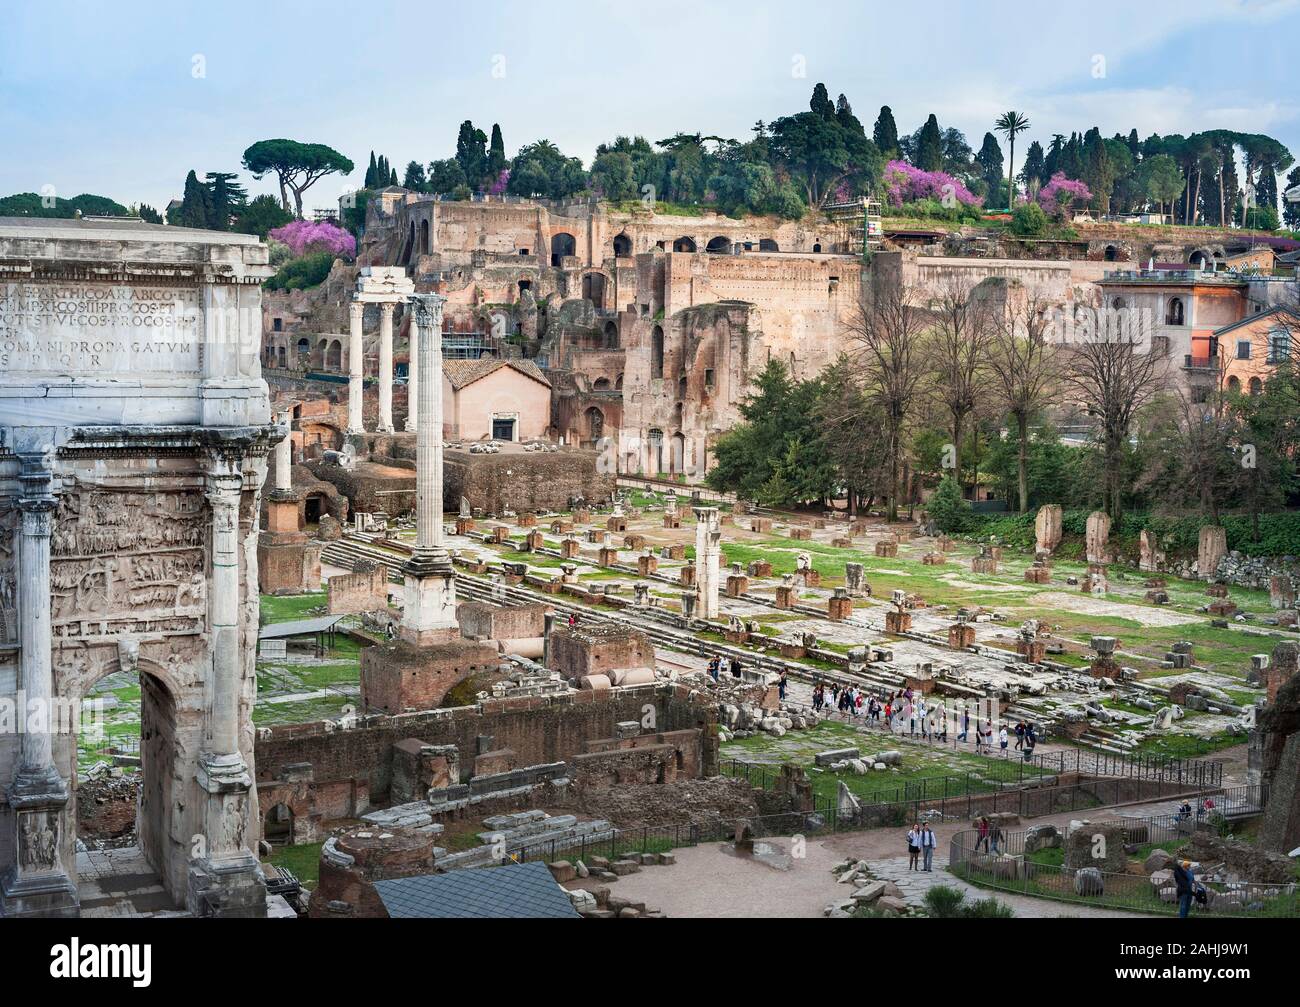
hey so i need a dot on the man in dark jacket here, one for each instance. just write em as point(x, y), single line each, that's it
point(1184, 884)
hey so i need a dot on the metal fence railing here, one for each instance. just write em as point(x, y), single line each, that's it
point(1043, 874)
point(1193, 772)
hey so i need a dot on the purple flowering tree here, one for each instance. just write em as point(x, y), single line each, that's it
point(905, 183)
point(1061, 193)
point(499, 186)
point(305, 237)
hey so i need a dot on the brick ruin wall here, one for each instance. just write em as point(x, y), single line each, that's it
point(543, 729)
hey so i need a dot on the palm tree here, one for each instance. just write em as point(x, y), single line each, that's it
point(1009, 124)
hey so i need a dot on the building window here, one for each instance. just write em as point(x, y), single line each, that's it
point(1243, 349)
point(657, 352)
point(708, 377)
point(277, 324)
point(1174, 313)
point(1256, 386)
point(1279, 347)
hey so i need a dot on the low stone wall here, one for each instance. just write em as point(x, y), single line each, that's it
point(543, 729)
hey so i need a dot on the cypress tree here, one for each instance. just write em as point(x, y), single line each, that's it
point(885, 133)
point(929, 149)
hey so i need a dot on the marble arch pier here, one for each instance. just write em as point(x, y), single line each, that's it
point(134, 435)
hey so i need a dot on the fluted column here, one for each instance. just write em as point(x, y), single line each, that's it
point(224, 488)
point(413, 374)
point(37, 503)
point(429, 608)
point(428, 444)
point(386, 367)
point(356, 353)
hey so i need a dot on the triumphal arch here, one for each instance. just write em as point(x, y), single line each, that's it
point(134, 435)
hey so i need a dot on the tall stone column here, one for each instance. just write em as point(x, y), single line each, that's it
point(356, 385)
point(708, 538)
point(38, 884)
point(225, 878)
point(284, 454)
point(414, 335)
point(386, 367)
point(429, 613)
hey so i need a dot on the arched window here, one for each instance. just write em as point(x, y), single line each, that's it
point(563, 245)
point(657, 352)
point(424, 237)
point(817, 246)
point(334, 355)
point(1174, 312)
point(595, 424)
point(611, 336)
point(684, 244)
point(718, 246)
point(768, 245)
point(600, 385)
point(304, 351)
point(1234, 384)
point(1256, 386)
point(622, 246)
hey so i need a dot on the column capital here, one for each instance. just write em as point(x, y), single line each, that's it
point(386, 308)
point(428, 310)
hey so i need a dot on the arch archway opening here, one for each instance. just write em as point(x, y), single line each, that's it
point(684, 244)
point(563, 245)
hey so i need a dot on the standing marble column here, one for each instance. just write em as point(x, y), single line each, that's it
point(224, 876)
point(284, 454)
point(429, 612)
point(386, 367)
point(708, 539)
point(38, 884)
point(356, 385)
point(413, 338)
point(224, 489)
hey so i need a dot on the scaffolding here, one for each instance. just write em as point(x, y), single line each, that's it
point(858, 222)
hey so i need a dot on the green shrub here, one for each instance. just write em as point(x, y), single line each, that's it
point(944, 902)
point(948, 509)
point(1028, 220)
point(298, 274)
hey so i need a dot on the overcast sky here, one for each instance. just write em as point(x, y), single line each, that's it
point(123, 99)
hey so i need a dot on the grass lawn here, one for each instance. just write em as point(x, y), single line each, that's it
point(303, 860)
point(288, 607)
point(924, 774)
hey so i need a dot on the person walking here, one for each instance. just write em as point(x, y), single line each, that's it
point(1020, 735)
point(780, 690)
point(735, 667)
point(1002, 737)
point(1184, 886)
point(982, 834)
point(913, 847)
point(995, 836)
point(965, 723)
point(927, 847)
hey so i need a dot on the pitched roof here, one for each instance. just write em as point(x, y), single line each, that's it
point(465, 372)
point(512, 891)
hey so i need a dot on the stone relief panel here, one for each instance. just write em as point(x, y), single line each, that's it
point(128, 563)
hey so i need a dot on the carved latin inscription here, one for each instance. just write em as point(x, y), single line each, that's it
point(99, 328)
